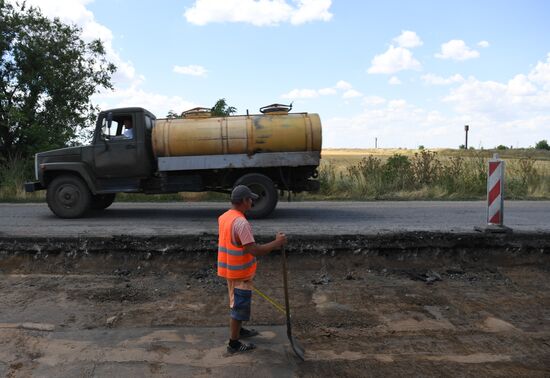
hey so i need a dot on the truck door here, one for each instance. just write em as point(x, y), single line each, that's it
point(116, 154)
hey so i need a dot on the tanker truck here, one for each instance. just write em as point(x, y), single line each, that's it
point(272, 152)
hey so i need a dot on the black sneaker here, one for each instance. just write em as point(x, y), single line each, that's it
point(245, 333)
point(241, 347)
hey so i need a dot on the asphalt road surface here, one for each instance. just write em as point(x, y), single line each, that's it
point(295, 218)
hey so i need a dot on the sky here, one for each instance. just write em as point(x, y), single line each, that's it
point(403, 73)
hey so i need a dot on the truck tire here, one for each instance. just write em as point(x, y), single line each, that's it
point(264, 187)
point(102, 201)
point(68, 196)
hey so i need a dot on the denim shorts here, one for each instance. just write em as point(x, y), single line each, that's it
point(242, 304)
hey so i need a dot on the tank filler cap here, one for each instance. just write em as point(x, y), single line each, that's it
point(197, 113)
point(276, 109)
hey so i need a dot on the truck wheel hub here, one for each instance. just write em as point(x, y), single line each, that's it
point(68, 196)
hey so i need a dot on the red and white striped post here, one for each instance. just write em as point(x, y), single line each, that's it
point(495, 192)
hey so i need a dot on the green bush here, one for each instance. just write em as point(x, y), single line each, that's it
point(425, 167)
point(396, 173)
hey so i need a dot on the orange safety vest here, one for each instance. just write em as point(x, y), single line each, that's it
point(233, 262)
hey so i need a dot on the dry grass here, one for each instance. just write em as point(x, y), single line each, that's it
point(407, 174)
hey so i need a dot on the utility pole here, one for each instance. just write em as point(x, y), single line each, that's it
point(466, 128)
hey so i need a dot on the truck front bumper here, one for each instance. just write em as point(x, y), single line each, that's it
point(33, 186)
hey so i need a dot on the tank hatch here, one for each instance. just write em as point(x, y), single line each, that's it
point(275, 109)
point(197, 113)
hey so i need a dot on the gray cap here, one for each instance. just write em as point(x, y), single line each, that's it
point(241, 192)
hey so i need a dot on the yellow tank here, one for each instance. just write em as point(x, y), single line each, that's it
point(237, 135)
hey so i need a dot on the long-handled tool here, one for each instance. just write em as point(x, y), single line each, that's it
point(296, 347)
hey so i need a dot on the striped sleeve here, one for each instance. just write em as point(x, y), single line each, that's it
point(242, 232)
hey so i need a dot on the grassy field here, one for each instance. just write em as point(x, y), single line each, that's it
point(439, 174)
point(373, 174)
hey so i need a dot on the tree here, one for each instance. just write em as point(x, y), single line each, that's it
point(542, 145)
point(47, 77)
point(221, 109)
point(171, 114)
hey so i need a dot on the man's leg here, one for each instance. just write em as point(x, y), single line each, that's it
point(235, 327)
point(240, 301)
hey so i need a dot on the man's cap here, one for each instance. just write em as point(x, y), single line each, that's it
point(241, 192)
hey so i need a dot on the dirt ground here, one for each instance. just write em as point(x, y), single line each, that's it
point(356, 315)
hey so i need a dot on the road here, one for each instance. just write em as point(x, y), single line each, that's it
point(304, 218)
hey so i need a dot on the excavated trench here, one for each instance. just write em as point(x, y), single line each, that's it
point(415, 303)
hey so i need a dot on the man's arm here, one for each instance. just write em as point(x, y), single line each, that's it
point(263, 249)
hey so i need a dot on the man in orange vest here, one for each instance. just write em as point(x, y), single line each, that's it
point(237, 252)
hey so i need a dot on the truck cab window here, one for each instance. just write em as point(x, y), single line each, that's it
point(121, 128)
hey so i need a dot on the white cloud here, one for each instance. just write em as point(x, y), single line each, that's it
point(514, 112)
point(327, 91)
point(520, 98)
point(258, 12)
point(395, 123)
point(126, 80)
point(302, 93)
point(344, 85)
point(483, 44)
point(395, 59)
point(456, 49)
point(340, 86)
point(521, 86)
point(408, 39)
point(373, 101)
point(351, 93)
point(432, 79)
point(311, 10)
point(193, 70)
point(394, 80)
point(133, 96)
point(75, 12)
point(541, 73)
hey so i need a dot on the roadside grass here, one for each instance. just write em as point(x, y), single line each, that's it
point(442, 174)
point(13, 175)
point(368, 174)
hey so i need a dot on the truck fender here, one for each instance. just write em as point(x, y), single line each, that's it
point(51, 170)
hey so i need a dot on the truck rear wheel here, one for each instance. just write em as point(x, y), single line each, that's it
point(263, 187)
point(102, 201)
point(68, 197)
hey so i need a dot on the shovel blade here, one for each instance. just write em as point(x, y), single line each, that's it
point(297, 348)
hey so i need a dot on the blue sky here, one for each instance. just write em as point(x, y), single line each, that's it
point(409, 73)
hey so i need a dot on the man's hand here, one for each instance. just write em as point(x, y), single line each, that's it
point(263, 249)
point(280, 239)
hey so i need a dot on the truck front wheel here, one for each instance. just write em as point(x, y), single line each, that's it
point(102, 201)
point(263, 187)
point(68, 197)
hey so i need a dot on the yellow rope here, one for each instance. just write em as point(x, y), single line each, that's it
point(270, 300)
